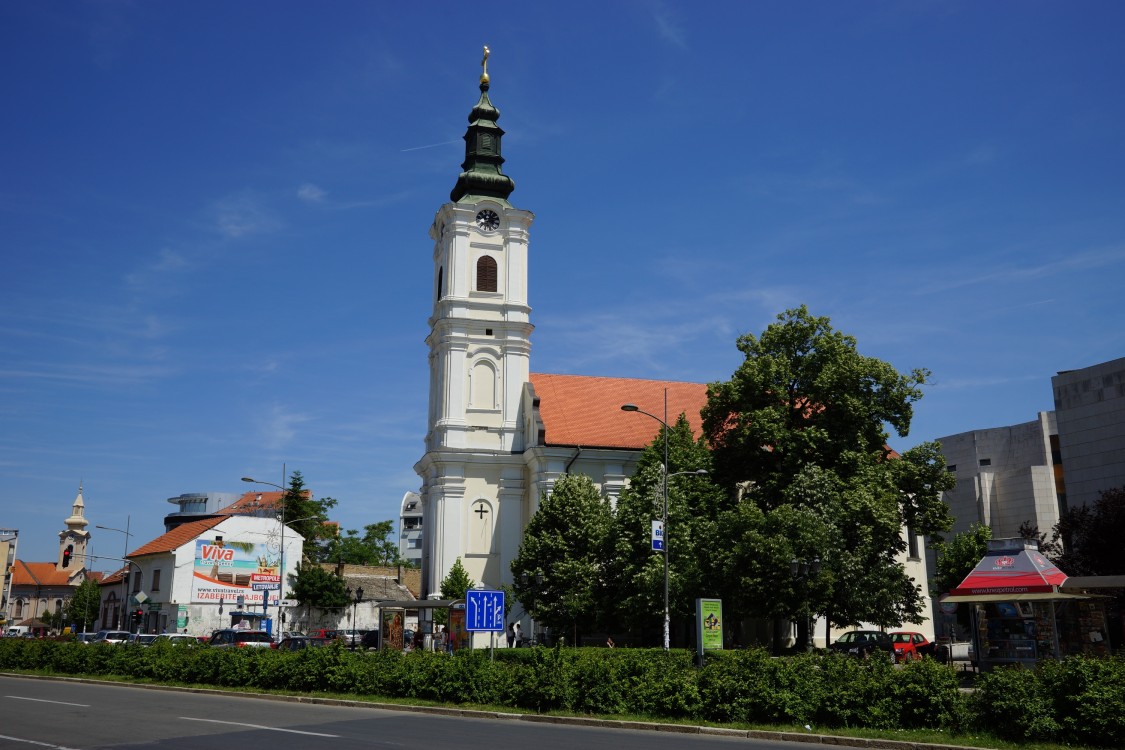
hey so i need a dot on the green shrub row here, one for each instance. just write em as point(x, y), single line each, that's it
point(1074, 701)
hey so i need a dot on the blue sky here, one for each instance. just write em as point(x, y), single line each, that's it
point(214, 218)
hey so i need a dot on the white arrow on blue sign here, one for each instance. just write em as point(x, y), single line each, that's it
point(657, 536)
point(484, 610)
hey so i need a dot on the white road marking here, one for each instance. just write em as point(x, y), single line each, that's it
point(40, 700)
point(259, 726)
point(33, 742)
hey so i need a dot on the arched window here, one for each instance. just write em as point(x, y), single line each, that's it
point(58, 606)
point(486, 274)
point(19, 609)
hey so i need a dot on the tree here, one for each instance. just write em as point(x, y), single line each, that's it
point(314, 587)
point(800, 434)
point(82, 609)
point(563, 554)
point(309, 518)
point(453, 587)
point(373, 548)
point(957, 557)
point(1088, 538)
point(635, 594)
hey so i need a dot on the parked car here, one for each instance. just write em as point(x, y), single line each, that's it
point(370, 640)
point(298, 642)
point(864, 643)
point(142, 639)
point(236, 638)
point(85, 637)
point(112, 636)
point(350, 637)
point(910, 645)
point(176, 639)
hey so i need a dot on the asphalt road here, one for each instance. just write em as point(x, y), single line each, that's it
point(62, 715)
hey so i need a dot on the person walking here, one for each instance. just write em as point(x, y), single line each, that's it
point(512, 635)
point(518, 634)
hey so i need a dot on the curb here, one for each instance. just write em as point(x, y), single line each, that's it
point(465, 713)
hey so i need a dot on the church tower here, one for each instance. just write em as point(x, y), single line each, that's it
point(73, 541)
point(479, 357)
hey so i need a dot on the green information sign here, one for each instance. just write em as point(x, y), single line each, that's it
point(709, 624)
point(181, 617)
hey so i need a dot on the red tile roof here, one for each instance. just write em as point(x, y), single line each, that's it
point(586, 411)
point(177, 537)
point(251, 502)
point(40, 574)
point(113, 578)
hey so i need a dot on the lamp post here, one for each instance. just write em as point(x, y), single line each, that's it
point(281, 519)
point(125, 570)
point(356, 600)
point(803, 570)
point(664, 520)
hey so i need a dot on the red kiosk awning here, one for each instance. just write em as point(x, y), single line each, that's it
point(1012, 566)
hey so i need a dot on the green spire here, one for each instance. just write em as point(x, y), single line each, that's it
point(481, 176)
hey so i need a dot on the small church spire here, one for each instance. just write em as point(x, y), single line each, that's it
point(481, 176)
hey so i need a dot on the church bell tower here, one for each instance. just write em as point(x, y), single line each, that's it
point(479, 354)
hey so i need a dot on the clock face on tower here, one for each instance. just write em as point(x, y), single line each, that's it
point(488, 220)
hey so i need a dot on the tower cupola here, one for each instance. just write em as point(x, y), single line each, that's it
point(481, 176)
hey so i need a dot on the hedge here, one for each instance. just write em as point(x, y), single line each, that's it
point(1077, 700)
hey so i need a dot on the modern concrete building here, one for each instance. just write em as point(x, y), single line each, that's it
point(1090, 410)
point(1006, 476)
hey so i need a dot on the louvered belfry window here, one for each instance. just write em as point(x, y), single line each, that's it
point(486, 274)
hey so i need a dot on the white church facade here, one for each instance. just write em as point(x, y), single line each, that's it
point(499, 435)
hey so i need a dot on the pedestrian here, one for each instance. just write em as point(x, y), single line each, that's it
point(609, 642)
point(511, 635)
point(518, 634)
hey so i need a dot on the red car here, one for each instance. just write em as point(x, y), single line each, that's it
point(910, 645)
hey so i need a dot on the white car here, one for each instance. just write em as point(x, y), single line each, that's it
point(112, 636)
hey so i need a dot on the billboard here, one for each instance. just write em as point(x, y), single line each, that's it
point(228, 571)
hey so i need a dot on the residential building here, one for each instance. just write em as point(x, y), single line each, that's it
point(194, 577)
point(410, 529)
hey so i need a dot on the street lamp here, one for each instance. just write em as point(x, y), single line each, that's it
point(358, 598)
point(125, 570)
point(281, 519)
point(667, 476)
point(803, 570)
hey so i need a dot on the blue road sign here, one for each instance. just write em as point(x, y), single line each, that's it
point(484, 610)
point(657, 536)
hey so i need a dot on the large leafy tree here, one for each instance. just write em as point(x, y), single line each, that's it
point(374, 547)
point(315, 588)
point(635, 572)
point(799, 433)
point(309, 518)
point(1088, 537)
point(82, 608)
point(563, 556)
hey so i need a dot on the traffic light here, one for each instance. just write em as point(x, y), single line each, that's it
point(138, 615)
point(66, 555)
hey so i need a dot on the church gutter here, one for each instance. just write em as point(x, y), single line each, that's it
point(577, 453)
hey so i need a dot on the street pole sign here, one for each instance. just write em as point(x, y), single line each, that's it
point(657, 536)
point(484, 610)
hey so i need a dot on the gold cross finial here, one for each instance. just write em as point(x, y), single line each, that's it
point(484, 66)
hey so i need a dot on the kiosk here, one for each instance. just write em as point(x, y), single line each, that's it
point(1019, 612)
